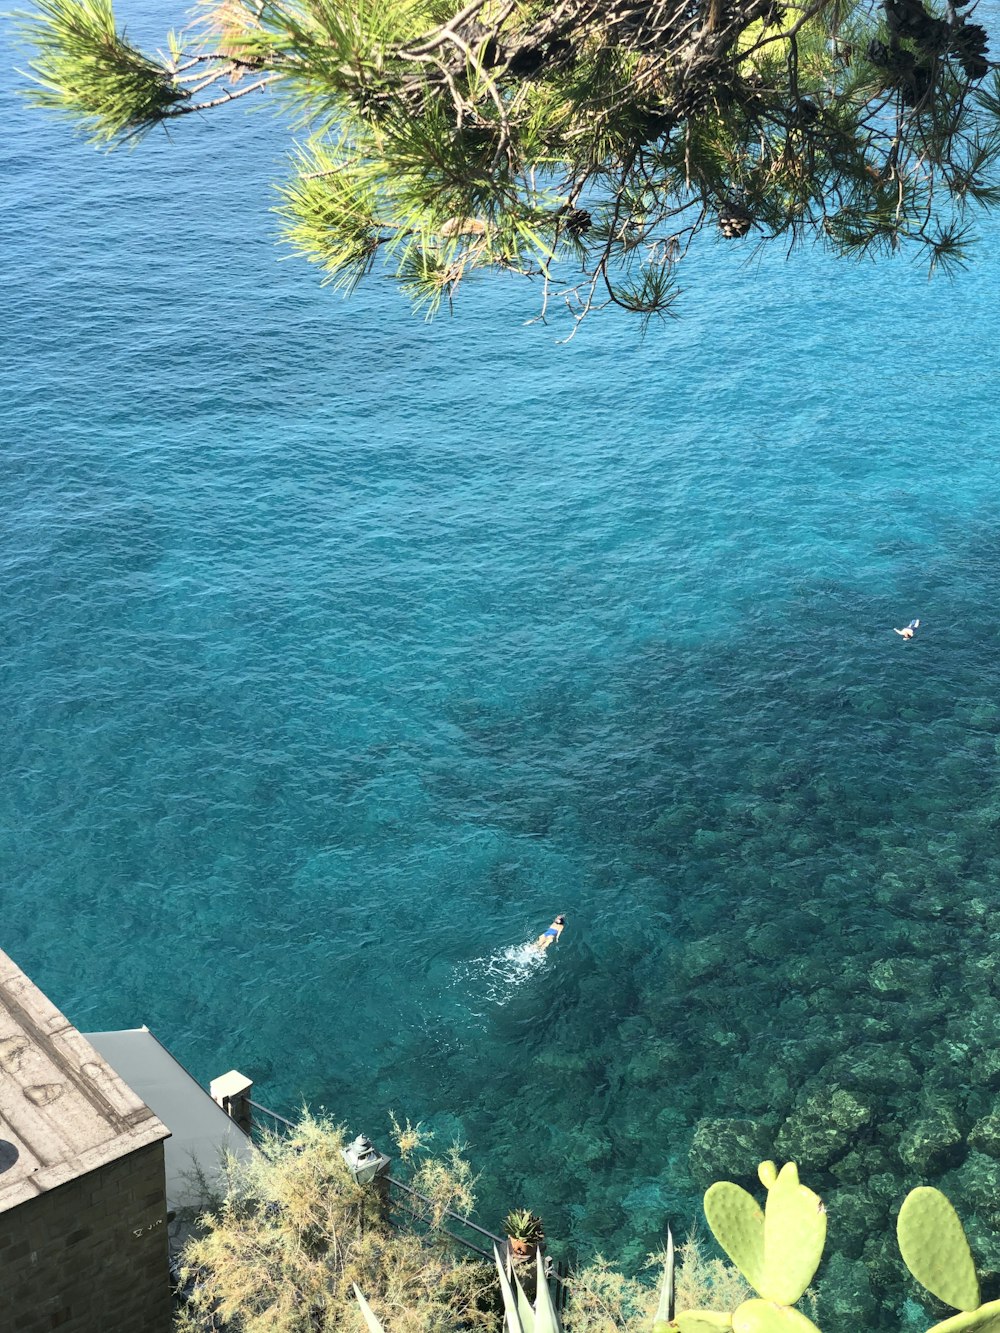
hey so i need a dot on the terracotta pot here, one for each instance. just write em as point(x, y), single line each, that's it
point(522, 1249)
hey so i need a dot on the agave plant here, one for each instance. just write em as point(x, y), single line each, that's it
point(663, 1319)
point(522, 1224)
point(520, 1316)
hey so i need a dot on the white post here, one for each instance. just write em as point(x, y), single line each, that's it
point(232, 1092)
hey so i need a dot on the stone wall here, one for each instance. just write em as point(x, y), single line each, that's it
point(91, 1255)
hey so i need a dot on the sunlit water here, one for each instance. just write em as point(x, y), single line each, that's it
point(340, 652)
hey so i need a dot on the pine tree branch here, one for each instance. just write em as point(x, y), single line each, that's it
point(227, 96)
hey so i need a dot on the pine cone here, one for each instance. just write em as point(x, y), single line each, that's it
point(577, 221)
point(969, 44)
point(734, 221)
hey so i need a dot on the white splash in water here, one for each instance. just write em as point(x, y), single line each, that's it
point(502, 973)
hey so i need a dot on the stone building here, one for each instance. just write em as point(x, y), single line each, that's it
point(83, 1212)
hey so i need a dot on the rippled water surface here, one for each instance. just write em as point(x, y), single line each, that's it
point(341, 651)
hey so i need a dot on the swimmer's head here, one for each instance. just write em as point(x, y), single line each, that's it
point(560, 920)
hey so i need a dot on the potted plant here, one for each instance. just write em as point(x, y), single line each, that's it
point(524, 1232)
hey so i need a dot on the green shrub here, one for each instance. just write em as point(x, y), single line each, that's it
point(295, 1233)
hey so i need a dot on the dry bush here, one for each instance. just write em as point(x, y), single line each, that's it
point(602, 1300)
point(293, 1234)
point(409, 1138)
point(449, 1184)
point(707, 1284)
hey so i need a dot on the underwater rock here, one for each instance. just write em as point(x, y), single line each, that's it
point(949, 1066)
point(900, 978)
point(985, 1244)
point(808, 973)
point(975, 910)
point(975, 1188)
point(845, 1295)
point(982, 716)
point(854, 1215)
point(983, 1030)
point(681, 819)
point(911, 1026)
point(701, 959)
point(932, 904)
point(859, 1165)
point(988, 1070)
point(934, 1143)
point(873, 1068)
point(728, 1150)
point(891, 892)
point(706, 843)
point(584, 1144)
point(779, 939)
point(877, 1030)
point(985, 1135)
point(657, 1062)
point(822, 1128)
point(887, 1274)
point(563, 1062)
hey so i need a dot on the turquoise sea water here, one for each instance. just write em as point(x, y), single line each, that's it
point(341, 651)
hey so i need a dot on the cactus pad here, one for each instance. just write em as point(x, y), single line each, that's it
point(767, 1174)
point(766, 1317)
point(984, 1320)
point(934, 1248)
point(737, 1223)
point(794, 1236)
point(701, 1321)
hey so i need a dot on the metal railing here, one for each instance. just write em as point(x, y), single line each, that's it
point(440, 1229)
point(273, 1115)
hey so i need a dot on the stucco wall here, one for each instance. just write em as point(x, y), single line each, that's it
point(91, 1255)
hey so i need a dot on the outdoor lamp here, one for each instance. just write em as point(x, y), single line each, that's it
point(364, 1161)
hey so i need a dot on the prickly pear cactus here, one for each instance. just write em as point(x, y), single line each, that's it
point(934, 1248)
point(794, 1236)
point(767, 1174)
point(778, 1250)
point(702, 1321)
point(737, 1223)
point(766, 1317)
point(984, 1320)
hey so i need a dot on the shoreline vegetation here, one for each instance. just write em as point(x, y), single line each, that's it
point(292, 1236)
point(295, 1244)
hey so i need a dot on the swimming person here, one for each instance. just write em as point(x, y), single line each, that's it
point(908, 632)
point(550, 936)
